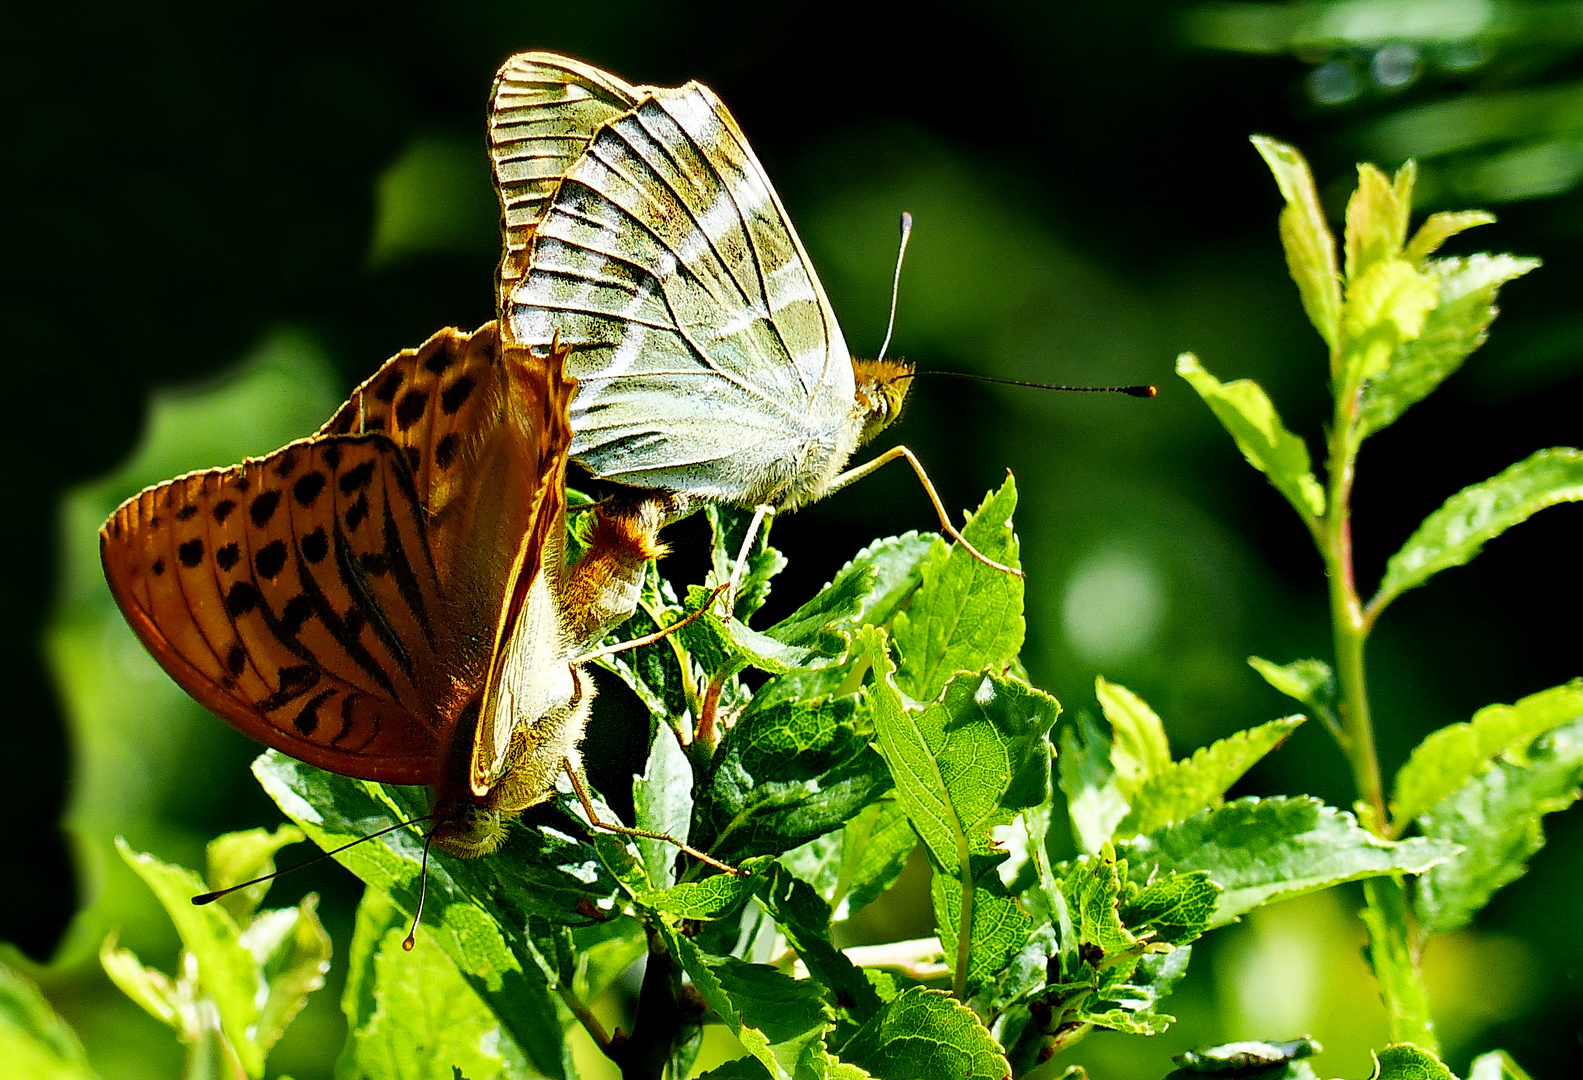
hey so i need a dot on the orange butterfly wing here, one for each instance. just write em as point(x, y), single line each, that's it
point(339, 599)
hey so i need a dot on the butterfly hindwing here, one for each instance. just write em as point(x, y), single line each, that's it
point(708, 358)
point(293, 595)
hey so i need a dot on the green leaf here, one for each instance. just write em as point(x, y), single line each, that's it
point(1262, 850)
point(1376, 221)
point(1093, 896)
point(1308, 682)
point(479, 909)
point(292, 950)
point(1245, 410)
point(1198, 782)
point(240, 856)
point(1241, 1057)
point(154, 991)
point(1438, 228)
point(1138, 747)
point(804, 918)
point(785, 774)
point(1456, 532)
point(728, 647)
point(1496, 1065)
point(966, 763)
point(964, 616)
point(925, 1034)
point(997, 928)
point(1390, 954)
point(1174, 908)
point(1093, 797)
point(1310, 247)
point(1496, 816)
point(854, 865)
point(897, 564)
point(729, 526)
point(1386, 306)
point(1409, 1062)
point(662, 800)
point(228, 975)
point(777, 1018)
point(1464, 308)
point(411, 1015)
point(709, 898)
point(1448, 757)
point(34, 1041)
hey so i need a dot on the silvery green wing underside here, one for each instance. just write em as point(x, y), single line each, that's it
point(707, 355)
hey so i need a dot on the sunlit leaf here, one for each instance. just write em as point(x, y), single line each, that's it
point(1464, 308)
point(1245, 410)
point(154, 991)
point(1455, 533)
point(1496, 816)
point(1310, 247)
point(1496, 1065)
point(1138, 747)
point(662, 799)
point(854, 865)
point(1438, 228)
point(1376, 221)
point(1262, 850)
point(1448, 757)
point(1409, 1062)
point(1390, 954)
point(964, 616)
point(1385, 308)
point(729, 526)
point(1093, 797)
point(34, 1041)
point(1308, 682)
point(924, 1033)
point(241, 856)
point(804, 918)
point(1185, 787)
point(293, 950)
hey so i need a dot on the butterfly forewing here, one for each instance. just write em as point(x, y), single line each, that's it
point(707, 355)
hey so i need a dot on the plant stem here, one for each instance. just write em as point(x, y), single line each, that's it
point(1348, 622)
point(643, 1056)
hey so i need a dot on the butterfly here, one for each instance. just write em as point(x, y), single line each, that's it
point(641, 229)
point(389, 599)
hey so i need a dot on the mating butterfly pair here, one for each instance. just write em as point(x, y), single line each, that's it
point(388, 599)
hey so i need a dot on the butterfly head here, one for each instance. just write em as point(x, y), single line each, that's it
point(882, 387)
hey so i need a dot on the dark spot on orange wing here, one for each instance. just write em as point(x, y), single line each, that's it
point(287, 463)
point(186, 512)
point(414, 458)
point(271, 558)
point(376, 422)
point(374, 563)
point(222, 510)
point(307, 487)
point(227, 556)
point(389, 385)
point(357, 477)
point(315, 546)
point(445, 452)
point(241, 598)
point(263, 507)
point(243, 483)
point(332, 455)
point(410, 409)
point(455, 395)
point(298, 610)
point(159, 567)
point(190, 552)
point(155, 521)
point(354, 621)
point(295, 681)
point(442, 358)
point(358, 512)
point(236, 660)
point(307, 721)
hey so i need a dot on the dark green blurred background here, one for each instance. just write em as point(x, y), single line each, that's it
point(192, 187)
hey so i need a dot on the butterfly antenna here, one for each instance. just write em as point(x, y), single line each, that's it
point(895, 281)
point(211, 897)
point(593, 819)
point(423, 893)
point(1144, 391)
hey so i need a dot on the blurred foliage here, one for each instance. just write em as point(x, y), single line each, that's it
point(1101, 213)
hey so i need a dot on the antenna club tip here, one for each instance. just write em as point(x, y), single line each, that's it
point(906, 221)
point(1144, 391)
point(205, 898)
point(408, 943)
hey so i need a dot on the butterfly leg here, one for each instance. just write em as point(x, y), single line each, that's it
point(572, 771)
point(934, 497)
point(759, 514)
